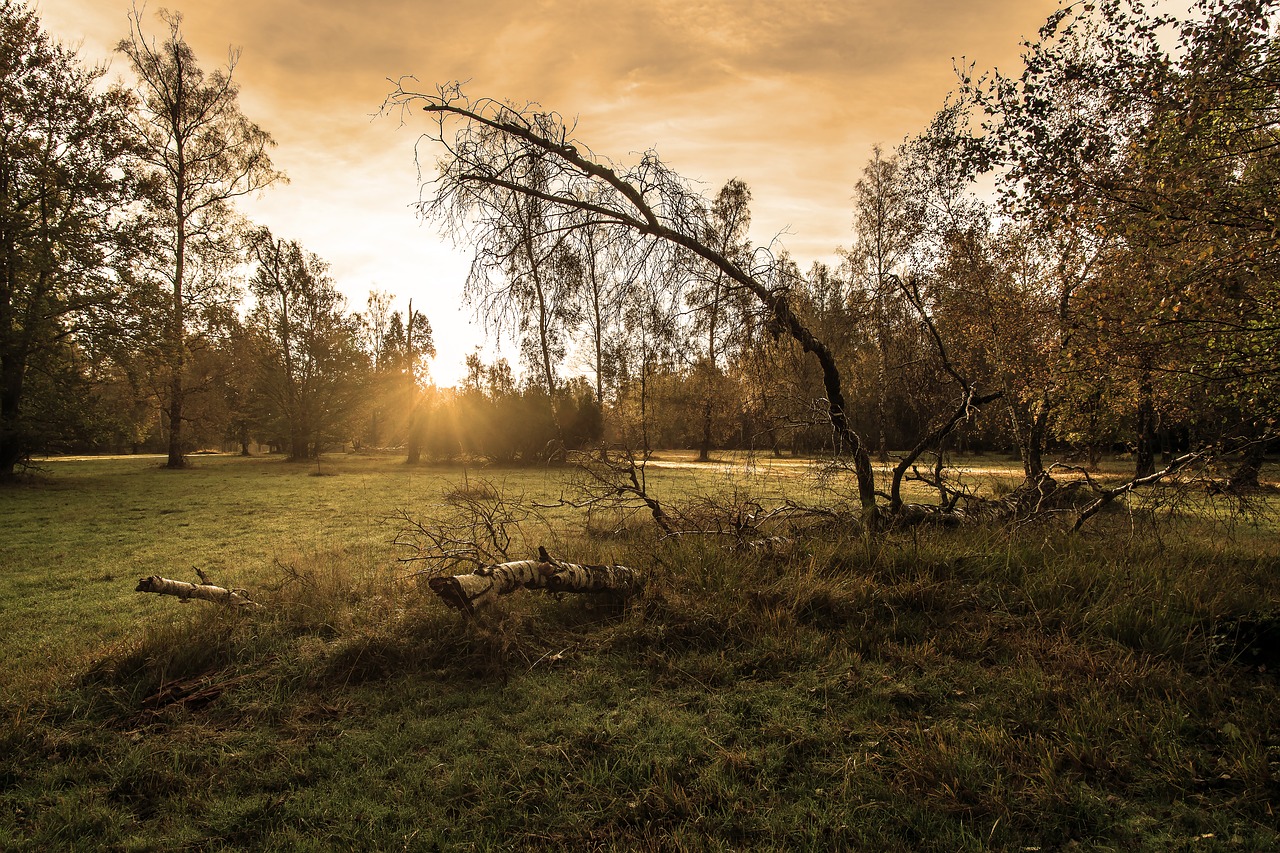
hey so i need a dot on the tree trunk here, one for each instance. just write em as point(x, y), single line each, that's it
point(704, 449)
point(1145, 451)
point(471, 592)
point(644, 402)
point(176, 457)
point(11, 443)
point(204, 592)
point(1246, 475)
point(882, 372)
point(1033, 449)
point(414, 455)
point(297, 443)
point(177, 322)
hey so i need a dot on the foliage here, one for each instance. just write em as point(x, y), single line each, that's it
point(491, 418)
point(1152, 138)
point(66, 230)
point(312, 374)
point(399, 351)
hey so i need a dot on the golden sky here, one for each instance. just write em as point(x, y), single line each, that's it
point(788, 96)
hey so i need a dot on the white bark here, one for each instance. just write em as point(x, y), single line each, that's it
point(471, 592)
point(185, 591)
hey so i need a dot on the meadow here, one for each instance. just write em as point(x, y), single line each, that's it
point(993, 687)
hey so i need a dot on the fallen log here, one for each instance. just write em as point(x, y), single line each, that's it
point(203, 591)
point(481, 588)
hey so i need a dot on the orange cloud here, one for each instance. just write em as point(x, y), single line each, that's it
point(788, 96)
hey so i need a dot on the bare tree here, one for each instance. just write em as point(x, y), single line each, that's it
point(495, 153)
point(203, 154)
point(607, 275)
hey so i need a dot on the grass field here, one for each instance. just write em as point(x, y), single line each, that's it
point(987, 688)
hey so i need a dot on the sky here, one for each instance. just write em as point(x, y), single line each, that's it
point(787, 95)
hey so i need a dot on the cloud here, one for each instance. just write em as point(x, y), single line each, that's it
point(788, 96)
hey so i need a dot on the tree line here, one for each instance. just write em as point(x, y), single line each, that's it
point(1118, 293)
point(138, 309)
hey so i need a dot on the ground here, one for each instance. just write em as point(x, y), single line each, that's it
point(1006, 687)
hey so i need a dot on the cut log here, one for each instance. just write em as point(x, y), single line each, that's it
point(481, 588)
point(202, 591)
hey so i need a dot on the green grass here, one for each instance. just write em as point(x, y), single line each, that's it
point(986, 688)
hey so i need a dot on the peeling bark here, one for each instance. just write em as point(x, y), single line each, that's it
point(202, 591)
point(471, 592)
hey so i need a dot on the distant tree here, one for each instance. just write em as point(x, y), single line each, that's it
point(244, 353)
point(201, 154)
point(609, 272)
point(650, 312)
point(717, 301)
point(313, 373)
point(407, 355)
point(883, 236)
point(581, 415)
point(65, 228)
point(777, 385)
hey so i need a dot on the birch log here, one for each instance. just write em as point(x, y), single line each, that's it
point(471, 592)
point(202, 591)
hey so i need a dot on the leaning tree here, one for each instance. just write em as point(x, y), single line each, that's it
point(496, 154)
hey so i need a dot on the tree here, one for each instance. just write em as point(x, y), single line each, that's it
point(650, 309)
point(526, 278)
point(65, 226)
point(407, 355)
point(201, 153)
point(398, 349)
point(1159, 135)
point(717, 305)
point(609, 274)
point(884, 235)
point(496, 154)
point(313, 372)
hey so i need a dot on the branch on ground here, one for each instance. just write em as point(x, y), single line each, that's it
point(615, 481)
point(203, 591)
point(480, 589)
point(1106, 496)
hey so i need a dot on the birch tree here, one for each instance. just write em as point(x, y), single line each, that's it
point(494, 153)
point(718, 309)
point(883, 236)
